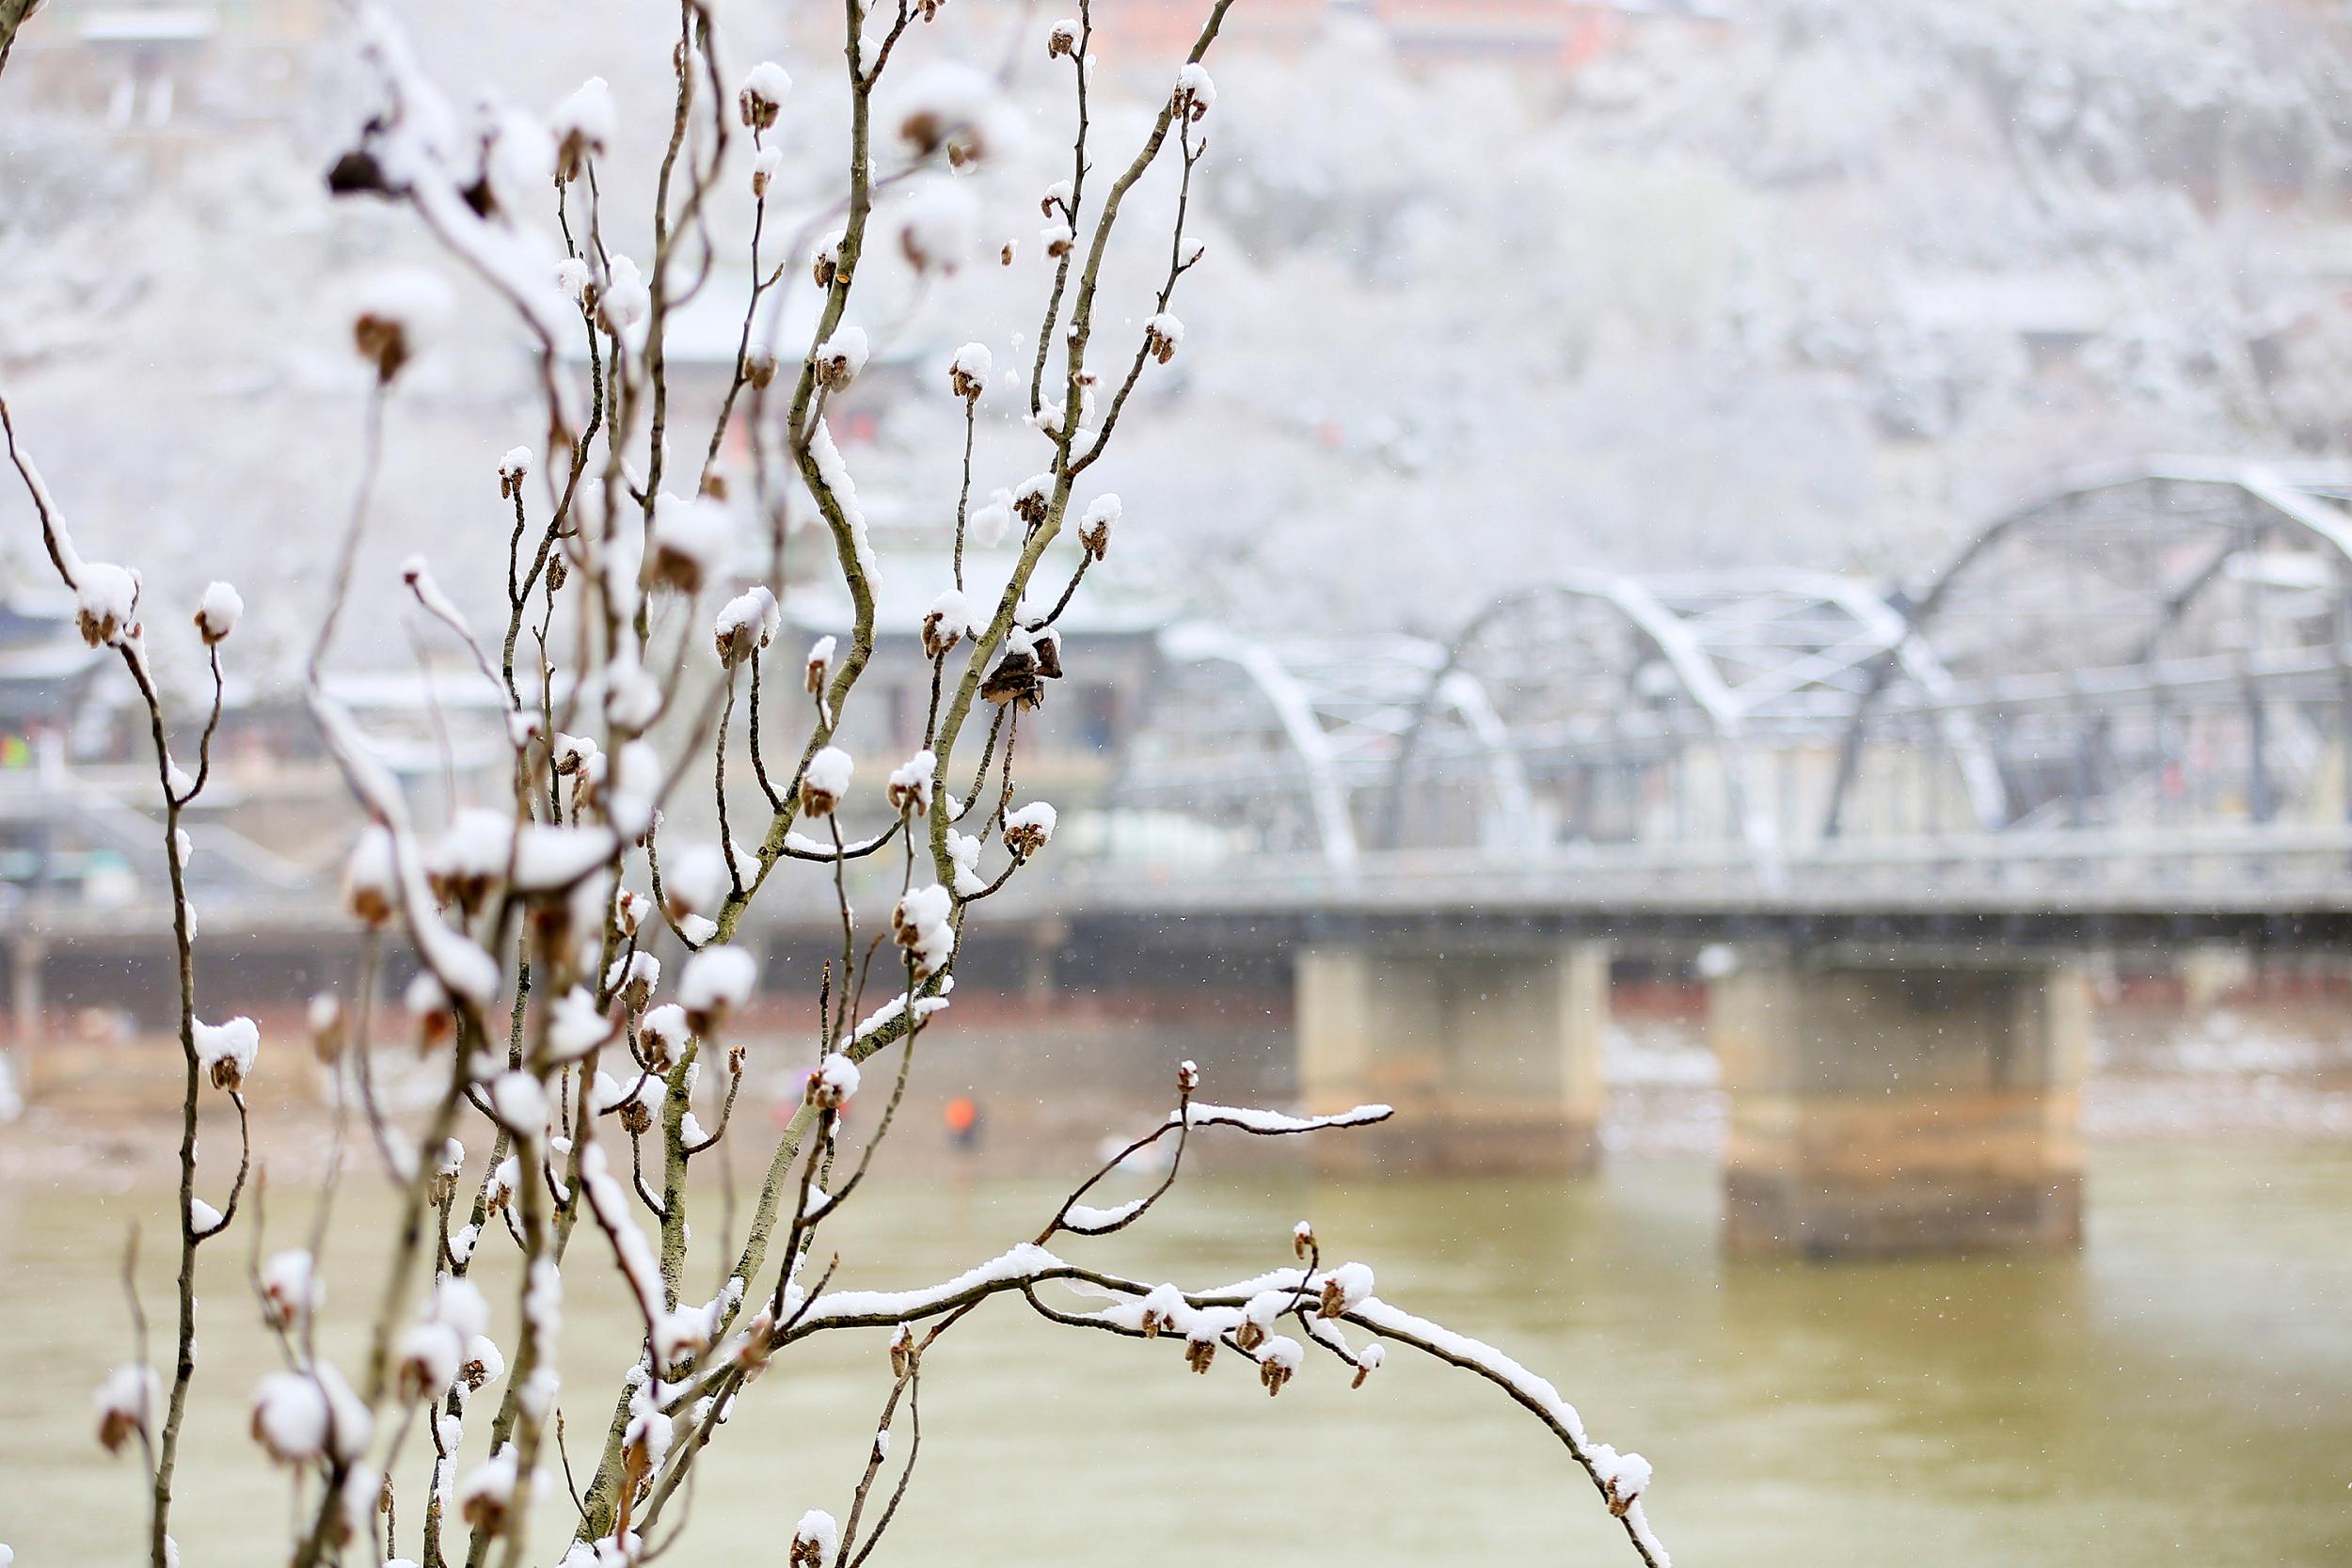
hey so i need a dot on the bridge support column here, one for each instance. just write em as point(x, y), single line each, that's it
point(1492, 1060)
point(1882, 1110)
point(27, 955)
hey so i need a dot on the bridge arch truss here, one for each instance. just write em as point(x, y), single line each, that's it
point(2157, 648)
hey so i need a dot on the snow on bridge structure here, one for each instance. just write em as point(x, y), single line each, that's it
point(1887, 824)
point(1892, 818)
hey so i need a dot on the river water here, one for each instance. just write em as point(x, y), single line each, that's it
point(2180, 1391)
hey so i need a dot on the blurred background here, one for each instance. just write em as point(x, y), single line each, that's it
point(1744, 607)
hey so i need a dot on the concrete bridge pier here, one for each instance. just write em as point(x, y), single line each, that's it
point(1879, 1109)
point(1491, 1057)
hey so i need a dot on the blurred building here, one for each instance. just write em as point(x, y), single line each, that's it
point(169, 68)
point(1069, 742)
point(1548, 34)
point(77, 768)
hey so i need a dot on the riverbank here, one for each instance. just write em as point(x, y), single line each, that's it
point(1663, 1105)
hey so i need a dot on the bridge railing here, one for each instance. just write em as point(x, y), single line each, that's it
point(2238, 868)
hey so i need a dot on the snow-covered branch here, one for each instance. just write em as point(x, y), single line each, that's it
point(578, 979)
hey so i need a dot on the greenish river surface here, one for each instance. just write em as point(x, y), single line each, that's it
point(2178, 1392)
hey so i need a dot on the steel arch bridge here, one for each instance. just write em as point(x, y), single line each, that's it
point(2137, 682)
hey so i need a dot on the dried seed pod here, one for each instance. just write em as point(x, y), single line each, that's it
point(944, 626)
point(1027, 830)
point(1279, 1362)
point(1623, 1475)
point(483, 1364)
point(217, 613)
point(115, 1428)
point(383, 341)
point(909, 787)
point(485, 1513)
point(813, 1538)
point(764, 89)
point(1014, 680)
point(326, 1021)
point(123, 1403)
point(1162, 335)
point(513, 469)
point(825, 782)
point(831, 1085)
point(1194, 91)
point(1035, 496)
point(1048, 654)
point(968, 374)
point(1094, 527)
point(839, 358)
point(630, 909)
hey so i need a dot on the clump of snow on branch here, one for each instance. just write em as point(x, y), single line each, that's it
point(922, 924)
point(825, 783)
point(218, 611)
point(226, 1051)
point(717, 982)
point(1028, 829)
point(106, 602)
point(833, 1083)
point(765, 86)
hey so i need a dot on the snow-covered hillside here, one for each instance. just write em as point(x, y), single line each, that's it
point(1812, 284)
